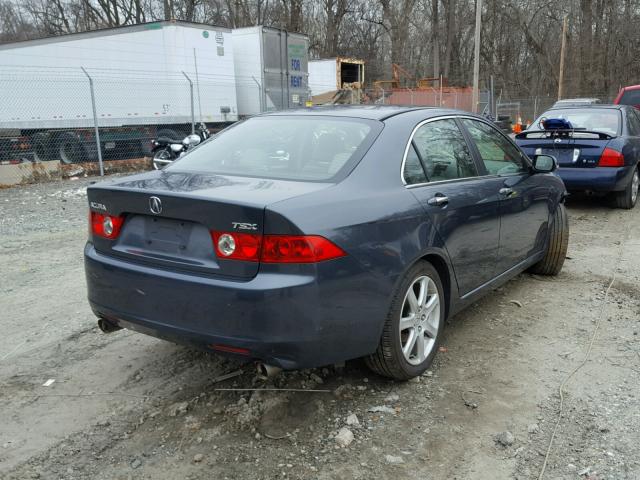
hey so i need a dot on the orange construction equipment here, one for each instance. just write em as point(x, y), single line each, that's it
point(421, 83)
point(431, 82)
point(396, 71)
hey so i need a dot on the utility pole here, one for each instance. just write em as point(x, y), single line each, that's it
point(562, 55)
point(476, 58)
point(492, 104)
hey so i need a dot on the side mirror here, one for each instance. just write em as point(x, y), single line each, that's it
point(544, 163)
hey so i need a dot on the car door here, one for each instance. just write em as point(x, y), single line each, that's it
point(525, 198)
point(441, 172)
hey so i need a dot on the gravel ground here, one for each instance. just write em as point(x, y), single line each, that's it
point(129, 406)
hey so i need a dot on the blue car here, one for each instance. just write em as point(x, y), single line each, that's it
point(306, 238)
point(597, 147)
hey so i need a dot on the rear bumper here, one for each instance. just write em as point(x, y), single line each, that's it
point(597, 179)
point(306, 317)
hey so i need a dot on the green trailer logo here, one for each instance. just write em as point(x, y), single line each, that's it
point(297, 50)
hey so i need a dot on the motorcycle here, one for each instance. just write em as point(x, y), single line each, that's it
point(165, 150)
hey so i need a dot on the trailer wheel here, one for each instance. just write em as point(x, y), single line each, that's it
point(42, 147)
point(70, 149)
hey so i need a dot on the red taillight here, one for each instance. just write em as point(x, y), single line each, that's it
point(274, 248)
point(298, 249)
point(106, 226)
point(611, 158)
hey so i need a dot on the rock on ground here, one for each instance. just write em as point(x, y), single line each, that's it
point(505, 439)
point(344, 437)
point(353, 420)
point(393, 459)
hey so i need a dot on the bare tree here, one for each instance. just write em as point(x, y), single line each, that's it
point(335, 11)
point(520, 40)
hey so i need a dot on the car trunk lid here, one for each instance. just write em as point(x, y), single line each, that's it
point(169, 217)
point(575, 149)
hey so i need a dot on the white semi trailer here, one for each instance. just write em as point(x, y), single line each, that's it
point(271, 69)
point(153, 79)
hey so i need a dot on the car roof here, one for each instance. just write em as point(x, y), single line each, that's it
point(598, 106)
point(580, 99)
point(373, 112)
point(631, 87)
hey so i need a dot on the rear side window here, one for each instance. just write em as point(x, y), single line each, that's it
point(630, 97)
point(442, 150)
point(634, 122)
point(413, 171)
point(310, 148)
point(499, 155)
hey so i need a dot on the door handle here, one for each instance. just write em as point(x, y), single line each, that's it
point(438, 200)
point(506, 191)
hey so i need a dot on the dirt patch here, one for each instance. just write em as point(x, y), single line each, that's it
point(128, 406)
point(24, 173)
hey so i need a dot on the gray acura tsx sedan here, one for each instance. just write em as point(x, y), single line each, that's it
point(309, 237)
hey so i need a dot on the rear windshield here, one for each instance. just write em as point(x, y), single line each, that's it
point(310, 148)
point(630, 97)
point(605, 120)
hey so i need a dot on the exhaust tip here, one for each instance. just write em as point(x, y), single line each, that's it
point(106, 326)
point(267, 371)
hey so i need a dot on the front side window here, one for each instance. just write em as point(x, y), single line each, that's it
point(308, 148)
point(440, 147)
point(499, 155)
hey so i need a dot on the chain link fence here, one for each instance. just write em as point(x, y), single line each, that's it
point(68, 122)
point(446, 97)
point(508, 111)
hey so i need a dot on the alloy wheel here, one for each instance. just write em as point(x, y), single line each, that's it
point(635, 185)
point(419, 320)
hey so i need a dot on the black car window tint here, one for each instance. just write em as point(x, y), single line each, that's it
point(444, 151)
point(634, 122)
point(413, 171)
point(499, 155)
point(630, 97)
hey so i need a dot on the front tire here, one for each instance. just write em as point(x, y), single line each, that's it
point(162, 157)
point(628, 197)
point(553, 260)
point(412, 331)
